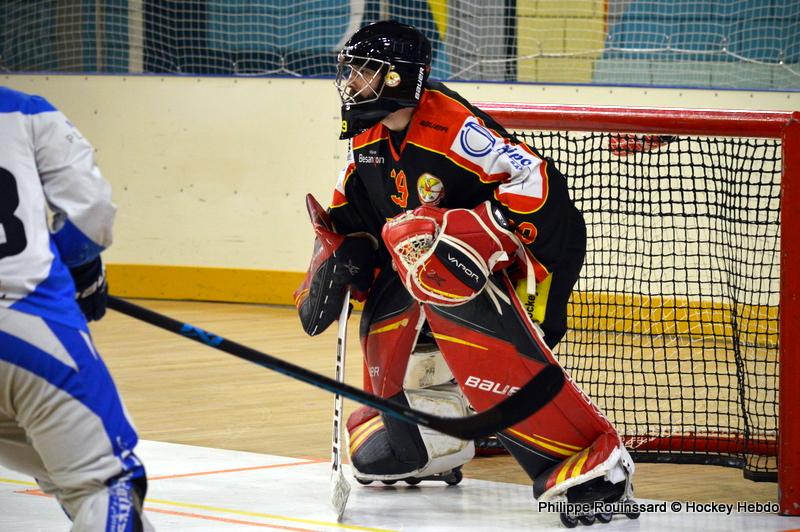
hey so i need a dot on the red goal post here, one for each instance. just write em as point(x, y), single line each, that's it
point(621, 122)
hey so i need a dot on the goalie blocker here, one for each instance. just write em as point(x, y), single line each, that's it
point(338, 261)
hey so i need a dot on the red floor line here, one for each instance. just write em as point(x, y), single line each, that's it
point(201, 473)
point(33, 491)
point(150, 509)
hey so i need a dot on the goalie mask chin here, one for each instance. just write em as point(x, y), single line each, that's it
point(366, 105)
point(382, 69)
point(360, 117)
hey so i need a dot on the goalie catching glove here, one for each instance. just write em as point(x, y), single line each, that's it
point(445, 257)
point(338, 261)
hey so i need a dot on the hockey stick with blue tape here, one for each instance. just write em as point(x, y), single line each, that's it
point(531, 397)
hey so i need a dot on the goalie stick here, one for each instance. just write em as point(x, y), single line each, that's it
point(340, 488)
point(531, 397)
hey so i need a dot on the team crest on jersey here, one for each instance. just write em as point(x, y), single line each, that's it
point(430, 189)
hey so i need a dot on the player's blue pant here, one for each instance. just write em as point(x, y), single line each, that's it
point(63, 422)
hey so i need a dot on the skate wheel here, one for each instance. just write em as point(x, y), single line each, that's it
point(569, 521)
point(364, 482)
point(604, 518)
point(632, 515)
point(586, 519)
point(455, 478)
point(413, 481)
point(389, 482)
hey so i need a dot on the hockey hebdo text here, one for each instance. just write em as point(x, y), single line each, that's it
point(658, 507)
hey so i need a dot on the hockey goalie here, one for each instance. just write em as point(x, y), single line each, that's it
point(464, 246)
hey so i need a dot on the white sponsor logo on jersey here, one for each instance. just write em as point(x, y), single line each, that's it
point(370, 159)
point(475, 139)
point(516, 156)
point(494, 154)
point(484, 147)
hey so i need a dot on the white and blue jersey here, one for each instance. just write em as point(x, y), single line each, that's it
point(62, 420)
point(45, 163)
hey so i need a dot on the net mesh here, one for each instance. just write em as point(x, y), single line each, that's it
point(674, 321)
point(703, 43)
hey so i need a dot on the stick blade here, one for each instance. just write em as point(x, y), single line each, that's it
point(340, 491)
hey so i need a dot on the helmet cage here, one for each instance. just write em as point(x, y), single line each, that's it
point(360, 79)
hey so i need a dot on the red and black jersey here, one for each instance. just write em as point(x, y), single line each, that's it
point(454, 155)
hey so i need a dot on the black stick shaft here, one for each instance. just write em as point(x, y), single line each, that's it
point(528, 399)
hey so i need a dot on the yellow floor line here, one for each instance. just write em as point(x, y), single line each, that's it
point(264, 516)
point(19, 482)
point(149, 501)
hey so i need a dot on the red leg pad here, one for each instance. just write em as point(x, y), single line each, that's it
point(493, 354)
point(387, 346)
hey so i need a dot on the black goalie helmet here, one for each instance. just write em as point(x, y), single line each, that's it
point(382, 69)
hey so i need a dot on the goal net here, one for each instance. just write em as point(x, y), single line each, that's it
point(743, 44)
point(682, 325)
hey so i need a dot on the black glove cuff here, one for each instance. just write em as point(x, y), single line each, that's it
point(87, 275)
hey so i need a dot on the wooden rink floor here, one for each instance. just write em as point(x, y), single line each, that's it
point(181, 392)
